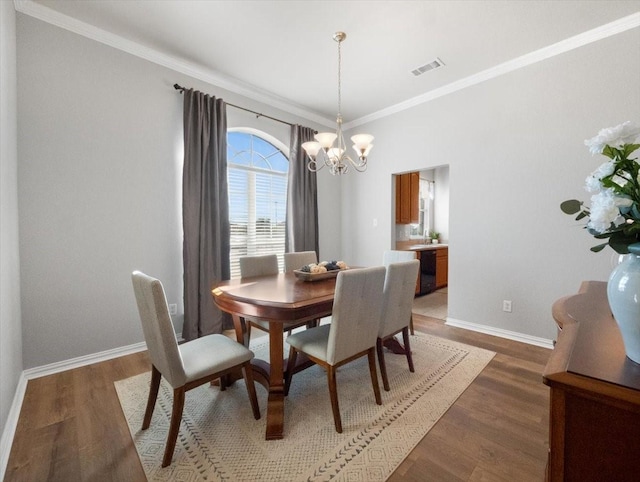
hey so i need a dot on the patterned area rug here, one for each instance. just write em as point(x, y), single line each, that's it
point(220, 440)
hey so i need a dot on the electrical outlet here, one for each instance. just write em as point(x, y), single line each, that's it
point(173, 309)
point(506, 306)
point(375, 222)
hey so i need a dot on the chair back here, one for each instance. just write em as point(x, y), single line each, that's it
point(298, 259)
point(357, 307)
point(258, 265)
point(157, 327)
point(398, 294)
point(396, 256)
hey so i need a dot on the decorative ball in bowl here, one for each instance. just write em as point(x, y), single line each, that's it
point(319, 271)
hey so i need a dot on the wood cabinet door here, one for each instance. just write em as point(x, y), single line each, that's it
point(405, 199)
point(414, 198)
point(408, 198)
point(398, 199)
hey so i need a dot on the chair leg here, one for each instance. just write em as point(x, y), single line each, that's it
point(383, 364)
point(291, 364)
point(247, 373)
point(407, 348)
point(153, 395)
point(371, 354)
point(411, 325)
point(333, 394)
point(174, 428)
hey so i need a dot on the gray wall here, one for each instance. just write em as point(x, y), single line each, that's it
point(10, 325)
point(100, 142)
point(99, 184)
point(515, 149)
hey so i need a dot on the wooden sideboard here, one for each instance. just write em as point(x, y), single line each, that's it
point(594, 429)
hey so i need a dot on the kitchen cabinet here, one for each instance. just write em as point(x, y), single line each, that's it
point(594, 402)
point(434, 269)
point(408, 198)
point(442, 267)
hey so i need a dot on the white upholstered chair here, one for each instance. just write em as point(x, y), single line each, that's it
point(184, 366)
point(355, 319)
point(261, 265)
point(398, 256)
point(399, 290)
point(297, 260)
point(251, 266)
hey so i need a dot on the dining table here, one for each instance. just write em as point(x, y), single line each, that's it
point(278, 299)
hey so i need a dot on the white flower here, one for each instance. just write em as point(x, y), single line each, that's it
point(616, 137)
point(605, 210)
point(593, 183)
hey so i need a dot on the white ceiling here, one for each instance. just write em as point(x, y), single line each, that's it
point(284, 50)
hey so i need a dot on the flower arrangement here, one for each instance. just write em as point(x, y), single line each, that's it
point(614, 214)
point(323, 267)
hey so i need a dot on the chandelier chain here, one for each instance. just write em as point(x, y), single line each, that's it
point(339, 78)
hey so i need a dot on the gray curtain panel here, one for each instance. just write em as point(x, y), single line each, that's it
point(302, 196)
point(205, 212)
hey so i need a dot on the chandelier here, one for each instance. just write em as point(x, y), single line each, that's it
point(329, 148)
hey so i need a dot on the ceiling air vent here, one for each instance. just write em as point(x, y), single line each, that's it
point(437, 63)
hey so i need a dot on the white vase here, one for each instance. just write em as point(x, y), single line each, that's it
point(623, 292)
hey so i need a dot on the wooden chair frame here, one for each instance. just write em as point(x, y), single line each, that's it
point(178, 402)
point(331, 378)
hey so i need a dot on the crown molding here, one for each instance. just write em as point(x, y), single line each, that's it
point(46, 14)
point(28, 7)
point(580, 40)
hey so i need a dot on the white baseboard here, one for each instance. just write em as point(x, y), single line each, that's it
point(510, 335)
point(11, 424)
point(81, 361)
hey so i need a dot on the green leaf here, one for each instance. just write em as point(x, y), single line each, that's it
point(600, 247)
point(620, 241)
point(609, 151)
point(629, 148)
point(582, 215)
point(571, 206)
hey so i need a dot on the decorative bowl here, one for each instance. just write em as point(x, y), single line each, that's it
point(305, 276)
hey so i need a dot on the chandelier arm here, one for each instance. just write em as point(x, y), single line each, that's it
point(360, 167)
point(313, 166)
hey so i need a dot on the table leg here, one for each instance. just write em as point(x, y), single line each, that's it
point(275, 403)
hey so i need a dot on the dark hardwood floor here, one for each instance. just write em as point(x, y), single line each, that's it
point(71, 427)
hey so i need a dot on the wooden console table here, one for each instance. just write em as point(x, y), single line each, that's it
point(594, 429)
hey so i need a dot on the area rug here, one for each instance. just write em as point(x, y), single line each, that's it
point(220, 440)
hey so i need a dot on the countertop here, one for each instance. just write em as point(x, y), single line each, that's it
point(411, 246)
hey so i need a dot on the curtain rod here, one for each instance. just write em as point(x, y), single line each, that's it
point(258, 114)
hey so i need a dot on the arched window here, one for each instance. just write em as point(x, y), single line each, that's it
point(257, 177)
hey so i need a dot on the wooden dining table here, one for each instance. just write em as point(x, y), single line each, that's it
point(277, 299)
